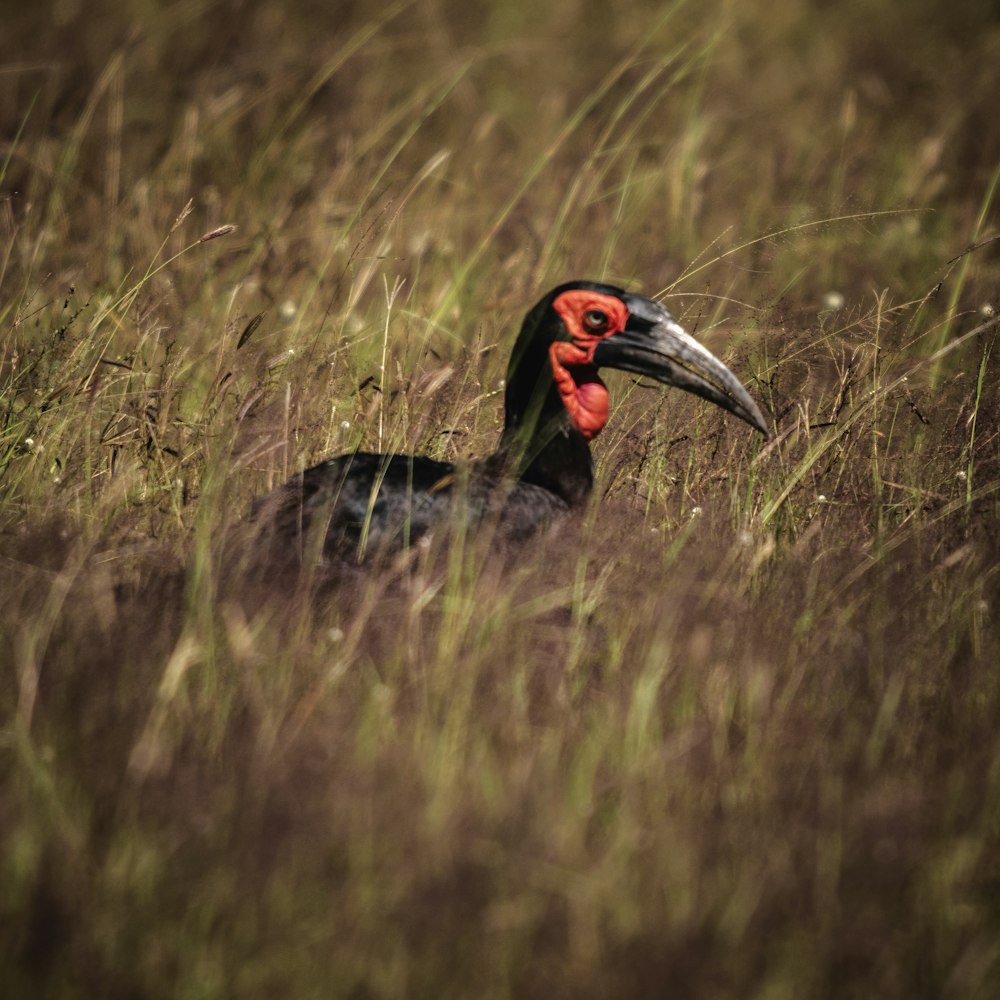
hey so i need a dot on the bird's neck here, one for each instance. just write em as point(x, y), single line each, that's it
point(542, 442)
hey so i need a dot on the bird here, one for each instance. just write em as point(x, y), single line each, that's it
point(354, 506)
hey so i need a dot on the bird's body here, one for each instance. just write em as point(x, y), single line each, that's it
point(366, 503)
point(555, 403)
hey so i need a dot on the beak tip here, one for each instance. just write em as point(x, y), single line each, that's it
point(760, 424)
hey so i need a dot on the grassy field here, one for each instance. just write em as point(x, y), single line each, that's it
point(733, 732)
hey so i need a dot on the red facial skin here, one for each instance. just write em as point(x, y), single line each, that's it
point(583, 393)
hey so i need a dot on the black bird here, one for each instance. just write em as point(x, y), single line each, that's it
point(555, 403)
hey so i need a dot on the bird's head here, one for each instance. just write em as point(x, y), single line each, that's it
point(584, 326)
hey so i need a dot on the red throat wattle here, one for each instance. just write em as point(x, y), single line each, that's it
point(589, 317)
point(583, 393)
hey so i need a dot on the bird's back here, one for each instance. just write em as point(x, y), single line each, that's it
point(365, 503)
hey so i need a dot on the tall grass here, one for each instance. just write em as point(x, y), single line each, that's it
point(731, 731)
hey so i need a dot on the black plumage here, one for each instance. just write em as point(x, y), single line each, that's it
point(360, 504)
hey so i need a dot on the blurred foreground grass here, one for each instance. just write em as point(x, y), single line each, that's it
point(734, 733)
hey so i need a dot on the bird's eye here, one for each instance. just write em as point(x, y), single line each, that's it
point(595, 320)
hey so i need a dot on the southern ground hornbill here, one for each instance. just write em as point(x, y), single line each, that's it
point(555, 403)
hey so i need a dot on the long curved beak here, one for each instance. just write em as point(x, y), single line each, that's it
point(654, 344)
